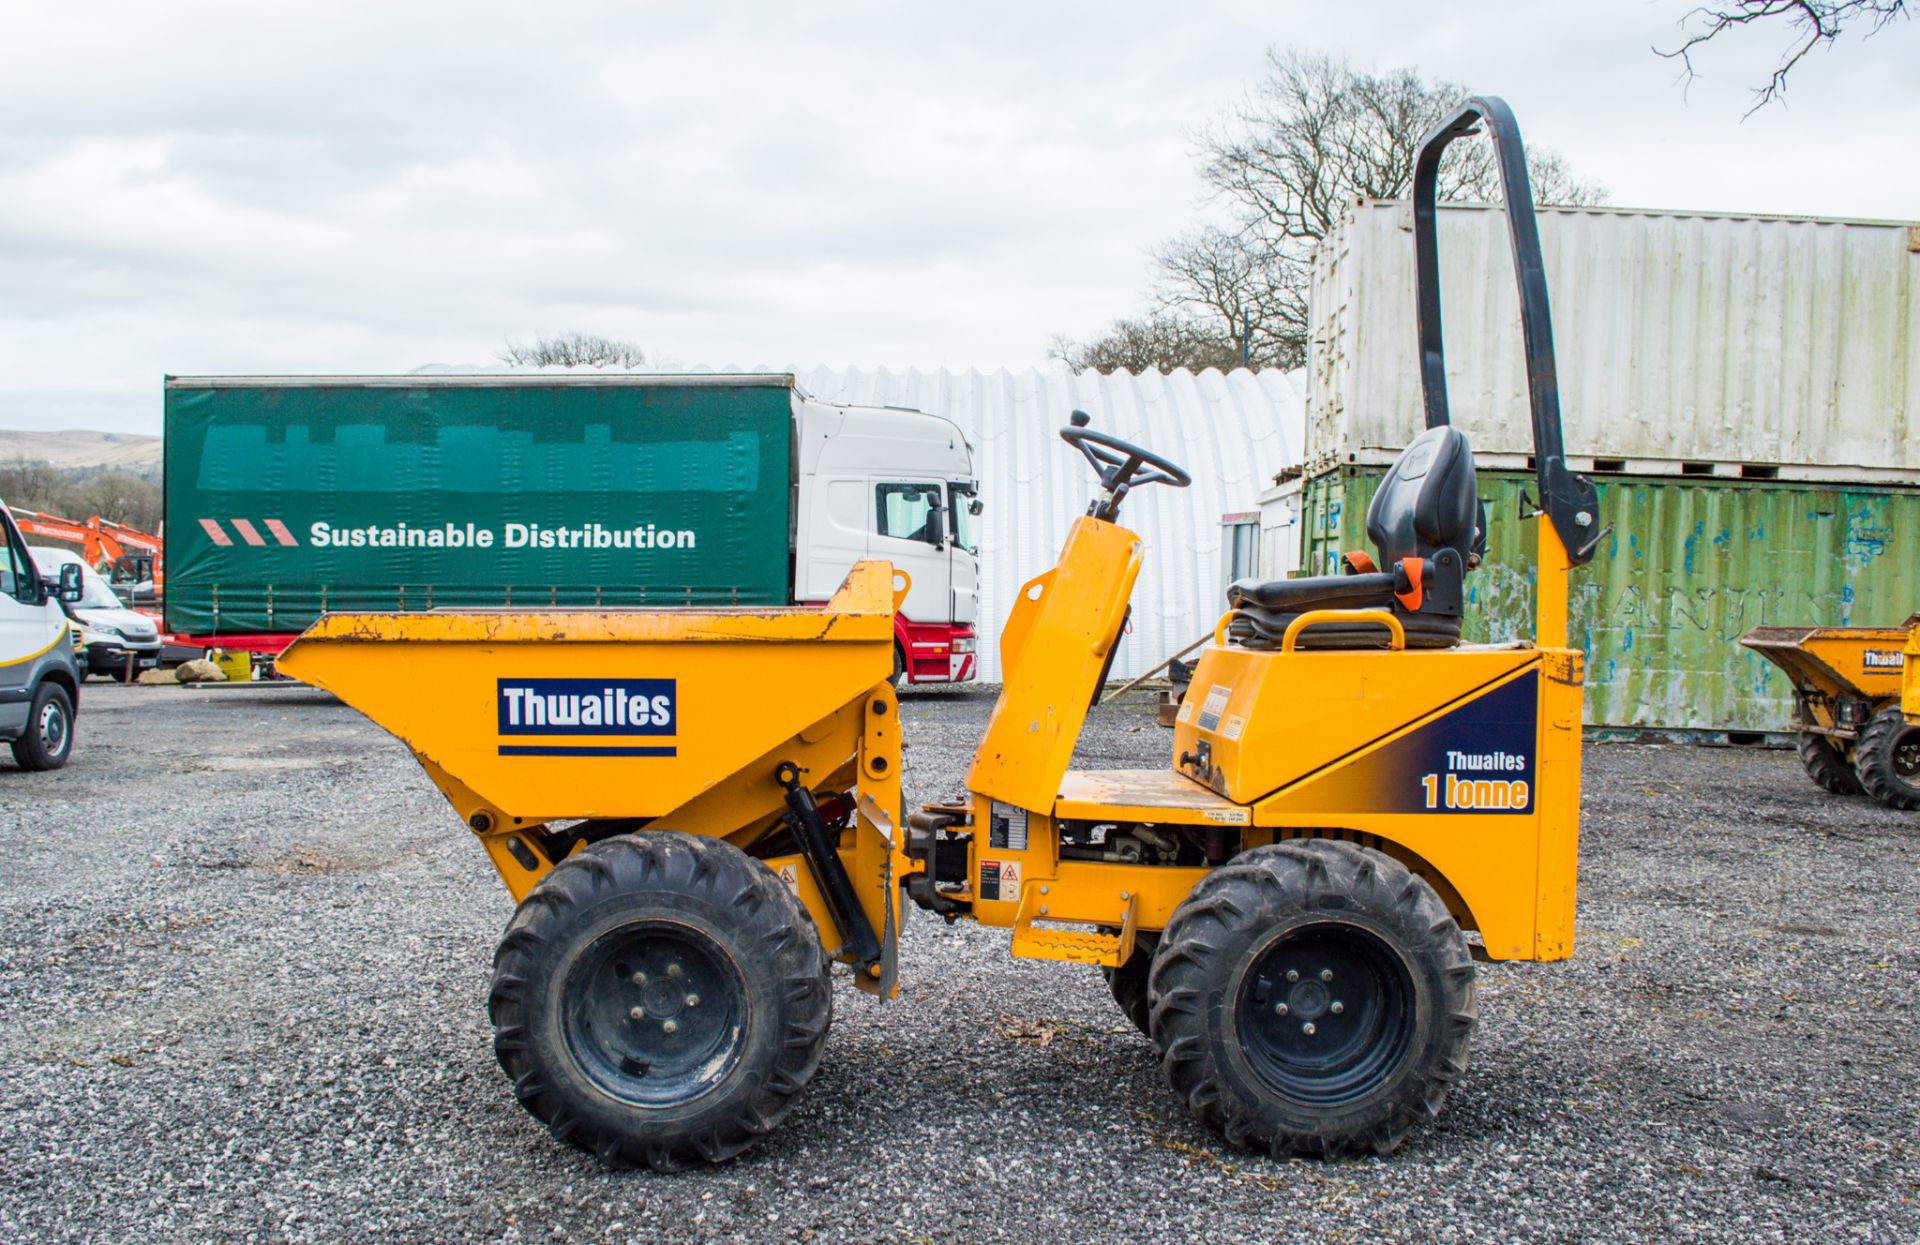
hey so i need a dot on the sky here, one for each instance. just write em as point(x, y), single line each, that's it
point(353, 187)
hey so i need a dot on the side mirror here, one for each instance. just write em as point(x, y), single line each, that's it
point(70, 589)
point(974, 507)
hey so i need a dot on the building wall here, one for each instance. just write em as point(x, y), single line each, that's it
point(1233, 431)
point(1691, 567)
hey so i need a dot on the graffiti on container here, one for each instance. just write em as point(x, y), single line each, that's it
point(1866, 540)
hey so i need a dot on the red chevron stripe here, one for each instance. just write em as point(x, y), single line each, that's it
point(212, 528)
point(280, 532)
point(246, 532)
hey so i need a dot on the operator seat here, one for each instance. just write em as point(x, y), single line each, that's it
point(1429, 528)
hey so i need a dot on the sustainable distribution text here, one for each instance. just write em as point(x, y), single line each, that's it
point(511, 536)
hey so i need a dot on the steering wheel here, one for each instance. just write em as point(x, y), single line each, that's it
point(1119, 464)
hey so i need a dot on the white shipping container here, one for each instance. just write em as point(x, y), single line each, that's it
point(1772, 347)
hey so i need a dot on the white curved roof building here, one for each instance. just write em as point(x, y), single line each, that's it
point(1232, 431)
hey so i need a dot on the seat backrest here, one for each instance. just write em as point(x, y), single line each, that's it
point(1427, 501)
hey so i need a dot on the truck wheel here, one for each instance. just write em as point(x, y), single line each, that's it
point(1313, 996)
point(1887, 759)
point(660, 999)
point(48, 740)
point(1129, 981)
point(900, 679)
point(1827, 765)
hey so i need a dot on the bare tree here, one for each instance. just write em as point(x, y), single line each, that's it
point(32, 484)
point(1315, 136)
point(1160, 341)
point(1229, 281)
point(1813, 23)
point(80, 493)
point(573, 350)
point(120, 496)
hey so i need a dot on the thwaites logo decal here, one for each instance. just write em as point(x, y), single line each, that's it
point(609, 710)
point(1883, 659)
point(1477, 758)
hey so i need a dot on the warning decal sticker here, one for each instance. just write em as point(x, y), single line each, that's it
point(1216, 705)
point(1000, 880)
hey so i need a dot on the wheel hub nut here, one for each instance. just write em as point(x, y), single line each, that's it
point(1326, 974)
point(639, 979)
point(1293, 974)
point(1279, 1009)
point(1307, 1028)
point(693, 1000)
point(673, 970)
point(1336, 1007)
point(671, 1026)
point(638, 1013)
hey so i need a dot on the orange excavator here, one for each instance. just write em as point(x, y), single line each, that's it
point(125, 555)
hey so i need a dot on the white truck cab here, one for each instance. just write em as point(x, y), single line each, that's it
point(39, 677)
point(887, 482)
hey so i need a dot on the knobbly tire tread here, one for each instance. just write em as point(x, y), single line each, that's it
point(1229, 910)
point(1827, 765)
point(1129, 982)
point(773, 943)
point(1873, 760)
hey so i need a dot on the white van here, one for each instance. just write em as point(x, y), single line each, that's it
point(39, 676)
point(120, 642)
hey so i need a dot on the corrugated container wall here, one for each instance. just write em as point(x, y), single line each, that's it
point(1691, 567)
point(1233, 431)
point(1786, 347)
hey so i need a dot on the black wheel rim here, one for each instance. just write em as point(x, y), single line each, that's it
point(1906, 756)
point(1326, 1014)
point(655, 1013)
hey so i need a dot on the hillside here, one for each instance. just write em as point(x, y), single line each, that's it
point(82, 449)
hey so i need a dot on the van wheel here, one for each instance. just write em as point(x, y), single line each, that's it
point(660, 999)
point(48, 740)
point(1887, 759)
point(1312, 997)
point(1826, 764)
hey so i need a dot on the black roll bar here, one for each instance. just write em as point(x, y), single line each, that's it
point(1567, 498)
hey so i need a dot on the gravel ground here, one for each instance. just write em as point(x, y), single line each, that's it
point(244, 950)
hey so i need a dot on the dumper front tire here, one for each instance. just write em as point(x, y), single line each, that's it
point(1887, 759)
point(1312, 997)
point(660, 999)
point(1826, 764)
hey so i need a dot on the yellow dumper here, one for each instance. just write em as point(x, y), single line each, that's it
point(698, 810)
point(1847, 706)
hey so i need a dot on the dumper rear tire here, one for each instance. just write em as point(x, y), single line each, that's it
point(1129, 982)
point(660, 999)
point(1887, 759)
point(1826, 764)
point(1313, 997)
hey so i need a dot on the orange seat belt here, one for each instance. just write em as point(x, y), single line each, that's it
point(1414, 567)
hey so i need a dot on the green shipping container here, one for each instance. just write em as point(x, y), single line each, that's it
point(1691, 567)
point(287, 498)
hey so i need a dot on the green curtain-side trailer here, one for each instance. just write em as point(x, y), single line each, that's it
point(290, 497)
